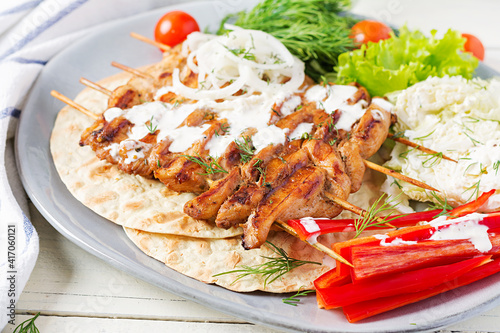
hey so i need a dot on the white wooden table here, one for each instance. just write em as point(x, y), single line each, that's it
point(76, 292)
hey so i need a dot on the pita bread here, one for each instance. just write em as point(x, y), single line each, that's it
point(128, 200)
point(203, 258)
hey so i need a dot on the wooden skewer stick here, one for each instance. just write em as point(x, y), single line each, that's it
point(316, 245)
point(161, 46)
point(417, 146)
point(397, 175)
point(71, 103)
point(131, 70)
point(95, 86)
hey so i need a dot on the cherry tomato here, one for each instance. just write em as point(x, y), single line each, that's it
point(174, 27)
point(369, 31)
point(474, 46)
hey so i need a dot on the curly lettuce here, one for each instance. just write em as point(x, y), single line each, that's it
point(401, 61)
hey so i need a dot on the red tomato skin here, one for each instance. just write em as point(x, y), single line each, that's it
point(369, 31)
point(173, 27)
point(474, 46)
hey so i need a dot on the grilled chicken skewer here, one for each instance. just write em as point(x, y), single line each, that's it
point(301, 187)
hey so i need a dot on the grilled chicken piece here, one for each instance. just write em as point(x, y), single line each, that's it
point(182, 174)
point(239, 206)
point(250, 170)
point(206, 205)
point(371, 131)
point(299, 190)
point(124, 97)
point(327, 158)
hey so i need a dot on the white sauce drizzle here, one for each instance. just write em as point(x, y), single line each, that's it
point(466, 227)
point(301, 129)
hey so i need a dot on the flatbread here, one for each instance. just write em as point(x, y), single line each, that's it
point(203, 258)
point(128, 200)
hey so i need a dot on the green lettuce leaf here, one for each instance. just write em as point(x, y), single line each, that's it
point(399, 62)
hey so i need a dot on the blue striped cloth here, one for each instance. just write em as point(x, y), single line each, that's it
point(31, 33)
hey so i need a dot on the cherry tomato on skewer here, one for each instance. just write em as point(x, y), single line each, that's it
point(173, 27)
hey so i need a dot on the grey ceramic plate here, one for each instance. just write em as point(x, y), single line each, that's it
point(90, 58)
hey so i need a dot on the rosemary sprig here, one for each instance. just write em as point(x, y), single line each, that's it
point(210, 164)
point(271, 270)
point(246, 149)
point(150, 126)
point(439, 203)
point(371, 218)
point(294, 300)
point(27, 326)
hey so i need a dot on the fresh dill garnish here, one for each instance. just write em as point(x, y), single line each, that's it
point(294, 300)
point(210, 164)
point(398, 135)
point(246, 149)
point(495, 166)
point(371, 218)
point(158, 163)
point(224, 128)
point(282, 159)
point(404, 155)
point(475, 188)
point(422, 138)
point(27, 326)
point(395, 182)
point(276, 112)
point(433, 160)
point(271, 270)
point(439, 203)
point(296, 23)
point(244, 52)
point(298, 108)
point(150, 126)
point(261, 171)
point(332, 141)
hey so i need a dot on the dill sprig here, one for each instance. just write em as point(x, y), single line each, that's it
point(495, 166)
point(210, 164)
point(246, 149)
point(271, 270)
point(28, 326)
point(439, 203)
point(475, 188)
point(150, 126)
point(311, 29)
point(371, 218)
point(434, 159)
point(262, 172)
point(294, 300)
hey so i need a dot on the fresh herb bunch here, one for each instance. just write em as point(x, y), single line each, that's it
point(312, 30)
point(28, 326)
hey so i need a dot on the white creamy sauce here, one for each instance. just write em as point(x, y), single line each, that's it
point(269, 135)
point(311, 227)
point(301, 129)
point(289, 105)
point(336, 97)
point(384, 104)
point(459, 118)
point(396, 241)
point(466, 227)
